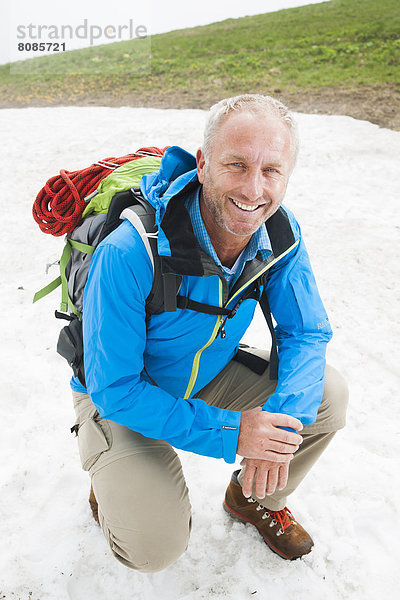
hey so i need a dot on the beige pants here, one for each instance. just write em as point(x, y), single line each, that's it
point(144, 506)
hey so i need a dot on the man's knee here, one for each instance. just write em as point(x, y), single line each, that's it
point(337, 393)
point(152, 550)
point(146, 520)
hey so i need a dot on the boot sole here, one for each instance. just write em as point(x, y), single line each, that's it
point(237, 517)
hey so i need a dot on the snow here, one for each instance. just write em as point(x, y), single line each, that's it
point(343, 192)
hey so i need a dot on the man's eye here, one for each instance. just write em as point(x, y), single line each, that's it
point(271, 170)
point(237, 164)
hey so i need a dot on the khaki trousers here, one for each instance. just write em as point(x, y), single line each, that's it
point(144, 506)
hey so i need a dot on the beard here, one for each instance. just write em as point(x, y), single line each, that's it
point(225, 213)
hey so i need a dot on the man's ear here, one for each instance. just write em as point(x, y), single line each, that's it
point(201, 162)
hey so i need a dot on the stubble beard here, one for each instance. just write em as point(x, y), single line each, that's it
point(214, 205)
point(210, 199)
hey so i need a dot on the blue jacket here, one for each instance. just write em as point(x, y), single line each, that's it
point(144, 375)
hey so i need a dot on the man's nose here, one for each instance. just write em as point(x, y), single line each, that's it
point(253, 186)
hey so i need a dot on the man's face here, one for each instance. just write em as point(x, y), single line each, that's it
point(246, 174)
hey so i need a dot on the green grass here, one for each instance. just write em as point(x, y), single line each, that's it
point(341, 43)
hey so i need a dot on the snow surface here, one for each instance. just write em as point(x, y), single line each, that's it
point(343, 191)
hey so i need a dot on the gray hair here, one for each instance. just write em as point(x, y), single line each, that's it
point(252, 103)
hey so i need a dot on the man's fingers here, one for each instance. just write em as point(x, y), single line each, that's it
point(283, 476)
point(263, 475)
point(261, 481)
point(258, 428)
point(272, 481)
point(277, 457)
point(282, 447)
point(282, 420)
point(247, 485)
point(286, 437)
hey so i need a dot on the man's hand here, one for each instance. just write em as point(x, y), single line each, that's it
point(260, 436)
point(268, 476)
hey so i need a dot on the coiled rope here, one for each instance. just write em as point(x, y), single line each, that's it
point(60, 203)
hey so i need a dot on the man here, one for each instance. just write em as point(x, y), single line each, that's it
point(175, 379)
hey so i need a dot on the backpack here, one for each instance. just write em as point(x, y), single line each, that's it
point(86, 223)
point(110, 198)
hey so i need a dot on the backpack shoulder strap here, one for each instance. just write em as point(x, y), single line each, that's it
point(274, 361)
point(132, 206)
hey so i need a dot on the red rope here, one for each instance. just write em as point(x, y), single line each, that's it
point(60, 203)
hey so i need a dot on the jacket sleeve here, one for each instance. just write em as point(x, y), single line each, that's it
point(114, 329)
point(302, 333)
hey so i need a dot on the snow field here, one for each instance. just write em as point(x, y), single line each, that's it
point(344, 192)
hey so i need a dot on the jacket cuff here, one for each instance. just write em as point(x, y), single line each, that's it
point(230, 436)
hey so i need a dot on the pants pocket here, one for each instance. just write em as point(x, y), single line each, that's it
point(92, 442)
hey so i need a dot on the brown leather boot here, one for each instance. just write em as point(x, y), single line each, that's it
point(94, 506)
point(278, 528)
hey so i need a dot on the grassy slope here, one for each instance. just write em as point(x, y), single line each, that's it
point(341, 43)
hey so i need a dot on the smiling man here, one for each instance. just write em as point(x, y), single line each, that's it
point(178, 378)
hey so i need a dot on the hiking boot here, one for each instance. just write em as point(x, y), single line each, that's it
point(278, 528)
point(94, 506)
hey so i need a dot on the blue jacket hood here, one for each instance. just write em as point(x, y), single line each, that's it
point(177, 169)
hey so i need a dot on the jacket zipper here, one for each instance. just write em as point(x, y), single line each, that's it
point(216, 330)
point(196, 360)
point(266, 268)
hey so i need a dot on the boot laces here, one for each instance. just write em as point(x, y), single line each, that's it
point(284, 517)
